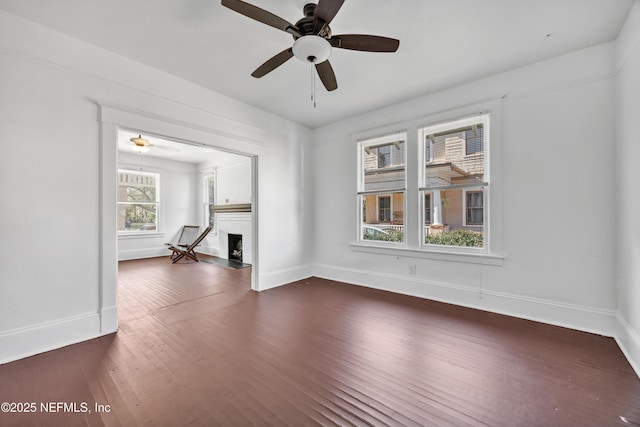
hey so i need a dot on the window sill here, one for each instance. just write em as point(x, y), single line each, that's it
point(140, 235)
point(469, 258)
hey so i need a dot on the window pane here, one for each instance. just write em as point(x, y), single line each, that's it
point(383, 217)
point(132, 217)
point(383, 166)
point(212, 216)
point(211, 190)
point(381, 188)
point(384, 156)
point(427, 208)
point(475, 140)
point(137, 201)
point(454, 170)
point(384, 209)
point(140, 194)
point(449, 163)
point(137, 187)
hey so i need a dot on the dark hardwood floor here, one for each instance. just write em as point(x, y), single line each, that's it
point(196, 347)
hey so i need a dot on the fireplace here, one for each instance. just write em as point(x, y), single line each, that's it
point(235, 247)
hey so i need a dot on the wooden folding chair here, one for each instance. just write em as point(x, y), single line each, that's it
point(188, 235)
point(179, 252)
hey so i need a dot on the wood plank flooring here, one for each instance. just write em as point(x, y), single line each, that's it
point(196, 347)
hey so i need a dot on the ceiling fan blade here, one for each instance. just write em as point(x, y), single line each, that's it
point(327, 76)
point(261, 15)
point(365, 42)
point(273, 63)
point(325, 12)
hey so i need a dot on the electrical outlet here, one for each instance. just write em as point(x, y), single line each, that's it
point(412, 269)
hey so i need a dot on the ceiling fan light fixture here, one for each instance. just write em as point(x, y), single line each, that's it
point(140, 148)
point(139, 140)
point(312, 49)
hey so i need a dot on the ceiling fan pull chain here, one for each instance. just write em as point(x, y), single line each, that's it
point(313, 86)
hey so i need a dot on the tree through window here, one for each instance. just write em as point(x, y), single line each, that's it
point(138, 200)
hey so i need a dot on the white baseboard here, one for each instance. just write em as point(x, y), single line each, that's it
point(628, 340)
point(142, 253)
point(283, 277)
point(588, 319)
point(109, 320)
point(24, 342)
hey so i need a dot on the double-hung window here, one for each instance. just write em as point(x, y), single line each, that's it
point(138, 201)
point(453, 183)
point(382, 188)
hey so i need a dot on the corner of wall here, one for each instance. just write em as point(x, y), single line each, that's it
point(283, 277)
point(629, 37)
point(629, 342)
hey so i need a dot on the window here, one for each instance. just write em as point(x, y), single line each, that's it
point(381, 188)
point(474, 139)
point(209, 200)
point(453, 183)
point(427, 208)
point(384, 209)
point(474, 207)
point(384, 156)
point(138, 201)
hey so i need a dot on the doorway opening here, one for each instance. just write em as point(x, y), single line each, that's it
point(166, 185)
point(198, 133)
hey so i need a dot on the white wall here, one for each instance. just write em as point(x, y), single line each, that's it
point(628, 180)
point(52, 289)
point(557, 189)
point(234, 183)
point(179, 205)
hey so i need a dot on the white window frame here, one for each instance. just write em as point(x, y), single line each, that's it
point(444, 126)
point(205, 199)
point(414, 248)
point(159, 214)
point(374, 142)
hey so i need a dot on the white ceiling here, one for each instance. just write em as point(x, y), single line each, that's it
point(442, 44)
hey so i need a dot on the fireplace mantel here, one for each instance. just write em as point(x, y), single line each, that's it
point(241, 207)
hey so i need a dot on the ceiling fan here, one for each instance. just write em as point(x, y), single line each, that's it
point(312, 37)
point(140, 145)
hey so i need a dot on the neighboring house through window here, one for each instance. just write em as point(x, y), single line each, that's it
point(382, 187)
point(138, 201)
point(447, 186)
point(453, 182)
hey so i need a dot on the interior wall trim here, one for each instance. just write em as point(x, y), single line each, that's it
point(24, 342)
point(285, 276)
point(586, 319)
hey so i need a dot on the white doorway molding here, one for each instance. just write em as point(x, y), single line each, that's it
point(198, 132)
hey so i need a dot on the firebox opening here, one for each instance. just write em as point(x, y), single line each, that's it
point(235, 247)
